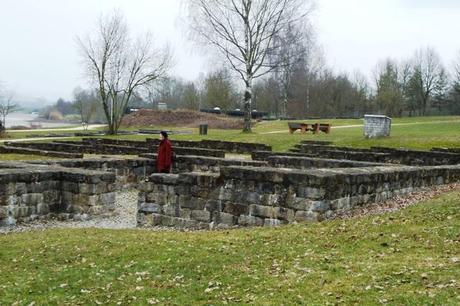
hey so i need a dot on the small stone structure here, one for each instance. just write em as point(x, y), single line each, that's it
point(314, 182)
point(377, 126)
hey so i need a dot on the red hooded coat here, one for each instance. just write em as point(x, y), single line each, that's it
point(165, 156)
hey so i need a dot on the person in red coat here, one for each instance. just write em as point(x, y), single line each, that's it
point(165, 154)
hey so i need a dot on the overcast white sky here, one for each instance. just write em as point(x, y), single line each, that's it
point(39, 57)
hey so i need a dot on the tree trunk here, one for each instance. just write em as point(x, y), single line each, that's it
point(285, 102)
point(247, 107)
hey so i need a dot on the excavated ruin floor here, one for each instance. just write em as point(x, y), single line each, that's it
point(126, 212)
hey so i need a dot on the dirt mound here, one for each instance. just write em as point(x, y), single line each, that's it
point(180, 118)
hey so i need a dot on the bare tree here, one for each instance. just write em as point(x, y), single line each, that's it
point(429, 77)
point(7, 106)
point(85, 102)
point(243, 32)
point(295, 41)
point(120, 65)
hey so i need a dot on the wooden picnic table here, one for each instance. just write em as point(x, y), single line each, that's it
point(313, 127)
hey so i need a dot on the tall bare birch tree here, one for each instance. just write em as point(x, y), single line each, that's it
point(119, 65)
point(243, 31)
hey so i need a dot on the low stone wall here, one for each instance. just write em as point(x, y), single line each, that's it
point(446, 150)
point(41, 152)
point(83, 148)
point(264, 155)
point(128, 172)
point(186, 163)
point(118, 142)
point(412, 157)
point(226, 146)
point(114, 147)
point(297, 162)
point(183, 201)
point(32, 192)
point(382, 155)
point(256, 196)
point(152, 143)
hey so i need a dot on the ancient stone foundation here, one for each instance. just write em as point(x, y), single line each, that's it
point(251, 196)
point(314, 182)
point(65, 189)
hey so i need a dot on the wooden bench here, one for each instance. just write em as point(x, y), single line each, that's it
point(313, 127)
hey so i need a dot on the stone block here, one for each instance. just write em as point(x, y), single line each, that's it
point(340, 204)
point(3, 212)
point(269, 212)
point(107, 199)
point(213, 205)
point(272, 222)
point(224, 218)
point(171, 210)
point(245, 220)
point(34, 199)
point(21, 188)
point(262, 211)
point(319, 206)
point(311, 193)
point(51, 197)
point(201, 215)
point(236, 209)
point(186, 201)
point(150, 208)
point(304, 216)
point(43, 209)
point(153, 219)
point(185, 213)
point(13, 200)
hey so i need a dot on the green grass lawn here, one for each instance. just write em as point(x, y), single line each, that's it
point(409, 257)
point(415, 133)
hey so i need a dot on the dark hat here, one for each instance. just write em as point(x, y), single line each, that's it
point(164, 133)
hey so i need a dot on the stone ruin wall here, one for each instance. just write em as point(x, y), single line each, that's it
point(313, 183)
point(249, 196)
point(66, 189)
point(40, 193)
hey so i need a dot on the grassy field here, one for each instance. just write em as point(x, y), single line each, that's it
point(415, 133)
point(409, 257)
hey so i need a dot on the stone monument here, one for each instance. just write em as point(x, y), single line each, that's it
point(377, 126)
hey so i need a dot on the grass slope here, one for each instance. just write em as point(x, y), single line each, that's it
point(415, 133)
point(410, 257)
